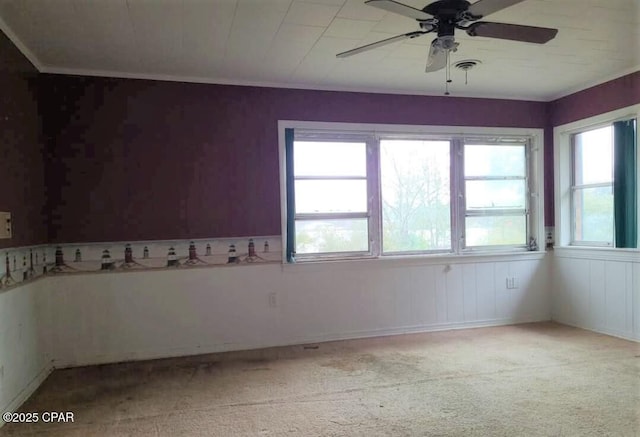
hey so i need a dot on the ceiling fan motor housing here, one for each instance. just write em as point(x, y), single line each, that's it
point(451, 7)
point(448, 14)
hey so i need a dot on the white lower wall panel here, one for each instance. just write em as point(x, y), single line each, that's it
point(24, 343)
point(99, 318)
point(598, 291)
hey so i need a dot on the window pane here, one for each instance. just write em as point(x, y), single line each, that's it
point(593, 214)
point(331, 196)
point(488, 231)
point(593, 156)
point(496, 194)
point(494, 160)
point(318, 236)
point(319, 158)
point(415, 195)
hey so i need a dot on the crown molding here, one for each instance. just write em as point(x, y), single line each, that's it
point(300, 86)
point(20, 45)
point(591, 84)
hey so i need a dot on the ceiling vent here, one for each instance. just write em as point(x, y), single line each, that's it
point(467, 64)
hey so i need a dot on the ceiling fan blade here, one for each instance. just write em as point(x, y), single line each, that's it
point(514, 32)
point(437, 59)
point(482, 8)
point(399, 8)
point(384, 42)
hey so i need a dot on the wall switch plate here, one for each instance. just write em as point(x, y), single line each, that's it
point(273, 300)
point(5, 225)
point(549, 236)
point(512, 282)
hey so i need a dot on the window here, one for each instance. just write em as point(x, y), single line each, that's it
point(415, 194)
point(495, 184)
point(331, 206)
point(360, 193)
point(592, 187)
point(596, 181)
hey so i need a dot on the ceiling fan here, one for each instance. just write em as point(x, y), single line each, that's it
point(444, 16)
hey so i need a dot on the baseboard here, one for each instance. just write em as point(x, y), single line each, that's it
point(231, 347)
point(22, 397)
point(416, 329)
point(611, 332)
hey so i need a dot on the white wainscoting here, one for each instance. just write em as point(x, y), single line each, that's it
point(100, 318)
point(598, 289)
point(24, 342)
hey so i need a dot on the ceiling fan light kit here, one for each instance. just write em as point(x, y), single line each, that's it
point(445, 16)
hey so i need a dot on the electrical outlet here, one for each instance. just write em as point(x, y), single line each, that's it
point(512, 282)
point(548, 235)
point(5, 225)
point(273, 301)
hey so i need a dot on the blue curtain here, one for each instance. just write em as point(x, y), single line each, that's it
point(625, 184)
point(291, 204)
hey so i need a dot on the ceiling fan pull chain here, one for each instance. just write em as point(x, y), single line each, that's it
point(446, 76)
point(447, 73)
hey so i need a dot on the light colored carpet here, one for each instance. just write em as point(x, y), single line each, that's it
point(538, 379)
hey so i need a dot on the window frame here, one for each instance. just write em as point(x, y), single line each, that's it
point(310, 135)
point(465, 213)
point(562, 233)
point(535, 195)
point(574, 188)
point(452, 210)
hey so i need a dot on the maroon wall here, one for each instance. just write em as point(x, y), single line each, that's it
point(609, 96)
point(21, 159)
point(135, 159)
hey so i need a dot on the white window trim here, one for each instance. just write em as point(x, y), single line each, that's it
point(536, 207)
point(368, 215)
point(563, 167)
point(574, 188)
point(528, 188)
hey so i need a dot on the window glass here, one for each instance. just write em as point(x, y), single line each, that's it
point(416, 199)
point(593, 214)
point(495, 160)
point(329, 236)
point(593, 156)
point(326, 196)
point(323, 158)
point(508, 194)
point(496, 231)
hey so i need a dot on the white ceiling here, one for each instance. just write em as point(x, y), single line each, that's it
point(293, 43)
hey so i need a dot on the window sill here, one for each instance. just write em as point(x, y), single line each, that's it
point(395, 261)
point(599, 253)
